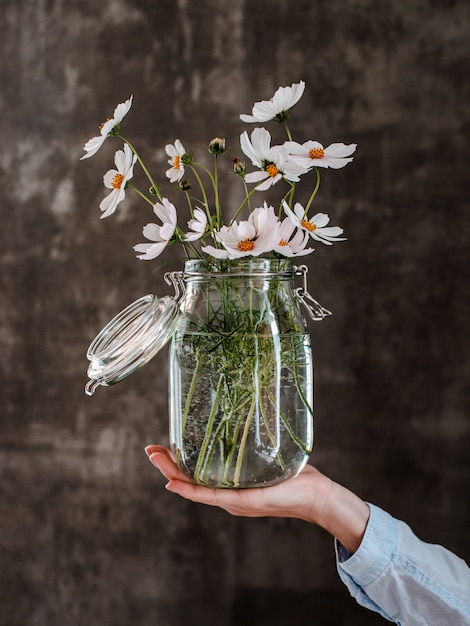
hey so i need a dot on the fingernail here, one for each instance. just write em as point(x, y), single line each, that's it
point(153, 459)
point(148, 450)
point(171, 487)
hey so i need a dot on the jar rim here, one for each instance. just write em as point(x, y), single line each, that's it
point(239, 267)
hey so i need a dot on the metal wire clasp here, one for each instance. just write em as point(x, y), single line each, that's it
point(176, 279)
point(315, 310)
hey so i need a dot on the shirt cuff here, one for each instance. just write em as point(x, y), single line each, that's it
point(375, 552)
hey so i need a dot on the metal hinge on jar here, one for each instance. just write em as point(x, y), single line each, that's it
point(316, 311)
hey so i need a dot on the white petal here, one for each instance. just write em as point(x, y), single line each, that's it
point(109, 204)
point(340, 149)
point(215, 252)
point(320, 220)
point(107, 127)
point(166, 211)
point(180, 148)
point(166, 231)
point(261, 140)
point(92, 146)
point(295, 219)
point(305, 162)
point(149, 250)
point(248, 149)
point(249, 119)
point(334, 163)
point(293, 147)
point(264, 111)
point(121, 110)
point(152, 231)
point(109, 177)
point(254, 177)
point(269, 182)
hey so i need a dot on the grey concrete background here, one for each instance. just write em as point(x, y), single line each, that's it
point(88, 535)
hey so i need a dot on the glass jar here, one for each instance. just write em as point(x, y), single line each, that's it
point(241, 379)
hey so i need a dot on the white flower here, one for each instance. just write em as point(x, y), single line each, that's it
point(277, 107)
point(160, 235)
point(197, 225)
point(116, 180)
point(273, 161)
point(313, 154)
point(316, 226)
point(292, 246)
point(251, 237)
point(175, 151)
point(94, 144)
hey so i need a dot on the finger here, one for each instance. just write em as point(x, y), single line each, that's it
point(234, 501)
point(162, 458)
point(155, 448)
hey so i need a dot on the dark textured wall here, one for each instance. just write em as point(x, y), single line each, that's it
point(88, 535)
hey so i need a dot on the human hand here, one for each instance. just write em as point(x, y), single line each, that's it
point(310, 496)
point(302, 497)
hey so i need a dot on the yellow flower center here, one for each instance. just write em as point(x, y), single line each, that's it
point(246, 246)
point(316, 153)
point(272, 170)
point(308, 225)
point(176, 162)
point(283, 242)
point(117, 181)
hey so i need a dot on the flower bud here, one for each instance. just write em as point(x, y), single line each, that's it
point(217, 146)
point(239, 166)
point(184, 185)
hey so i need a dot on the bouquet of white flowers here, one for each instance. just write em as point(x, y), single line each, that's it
point(269, 232)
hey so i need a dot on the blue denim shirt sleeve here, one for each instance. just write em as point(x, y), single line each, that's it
point(409, 582)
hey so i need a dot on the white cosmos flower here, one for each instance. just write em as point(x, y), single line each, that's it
point(94, 144)
point(116, 180)
point(175, 152)
point(274, 162)
point(197, 225)
point(313, 154)
point(316, 226)
point(251, 237)
point(289, 245)
point(160, 235)
point(277, 107)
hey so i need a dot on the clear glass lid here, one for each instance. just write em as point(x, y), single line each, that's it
point(130, 340)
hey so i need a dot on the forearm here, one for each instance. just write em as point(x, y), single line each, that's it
point(343, 514)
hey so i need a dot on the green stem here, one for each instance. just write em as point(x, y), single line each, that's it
point(210, 425)
point(314, 192)
point(287, 130)
point(286, 423)
point(298, 384)
point(246, 200)
point(270, 433)
point(288, 197)
point(191, 391)
point(190, 204)
point(142, 165)
point(204, 194)
point(241, 449)
point(218, 210)
point(142, 195)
